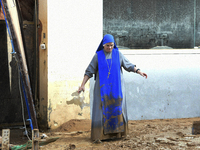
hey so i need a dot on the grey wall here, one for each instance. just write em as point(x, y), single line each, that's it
point(145, 23)
point(172, 89)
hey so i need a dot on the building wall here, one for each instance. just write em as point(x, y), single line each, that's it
point(74, 33)
point(172, 89)
point(144, 24)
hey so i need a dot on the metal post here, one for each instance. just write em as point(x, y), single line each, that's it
point(35, 139)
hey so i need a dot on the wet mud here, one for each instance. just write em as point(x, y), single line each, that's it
point(166, 134)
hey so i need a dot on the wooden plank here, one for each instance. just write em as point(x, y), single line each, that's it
point(43, 64)
point(35, 139)
point(1, 13)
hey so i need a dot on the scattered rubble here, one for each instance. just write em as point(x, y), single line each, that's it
point(163, 134)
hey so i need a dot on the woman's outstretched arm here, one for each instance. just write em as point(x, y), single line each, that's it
point(82, 87)
point(137, 70)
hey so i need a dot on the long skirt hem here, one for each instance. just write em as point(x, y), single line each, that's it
point(98, 134)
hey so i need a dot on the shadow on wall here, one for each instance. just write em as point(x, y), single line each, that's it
point(78, 100)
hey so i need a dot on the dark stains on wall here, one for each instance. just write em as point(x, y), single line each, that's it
point(10, 99)
point(29, 34)
point(145, 24)
point(4, 78)
point(27, 9)
point(10, 104)
point(197, 41)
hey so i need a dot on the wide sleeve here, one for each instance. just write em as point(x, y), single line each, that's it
point(92, 67)
point(125, 63)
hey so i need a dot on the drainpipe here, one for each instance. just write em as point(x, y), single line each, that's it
point(195, 22)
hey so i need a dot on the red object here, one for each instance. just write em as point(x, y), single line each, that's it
point(1, 14)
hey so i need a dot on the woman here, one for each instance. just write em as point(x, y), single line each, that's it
point(109, 113)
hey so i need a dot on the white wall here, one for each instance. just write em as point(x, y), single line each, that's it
point(74, 33)
point(172, 89)
point(75, 29)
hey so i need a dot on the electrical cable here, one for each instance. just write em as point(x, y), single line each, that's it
point(21, 97)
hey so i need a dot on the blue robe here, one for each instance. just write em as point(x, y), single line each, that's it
point(97, 128)
point(111, 92)
point(109, 113)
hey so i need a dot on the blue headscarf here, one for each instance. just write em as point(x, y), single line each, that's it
point(106, 39)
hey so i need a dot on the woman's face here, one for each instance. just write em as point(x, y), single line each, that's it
point(108, 47)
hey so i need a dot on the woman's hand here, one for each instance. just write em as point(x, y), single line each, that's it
point(81, 88)
point(142, 74)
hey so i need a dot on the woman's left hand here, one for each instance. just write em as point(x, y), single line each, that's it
point(142, 74)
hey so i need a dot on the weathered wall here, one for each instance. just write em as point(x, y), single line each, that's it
point(172, 89)
point(73, 37)
point(143, 23)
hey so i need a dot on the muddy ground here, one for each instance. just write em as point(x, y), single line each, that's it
point(143, 134)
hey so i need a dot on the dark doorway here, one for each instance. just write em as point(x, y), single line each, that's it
point(10, 102)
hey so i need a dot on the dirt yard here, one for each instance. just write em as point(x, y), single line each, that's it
point(158, 134)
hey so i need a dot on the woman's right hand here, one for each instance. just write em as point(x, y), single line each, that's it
point(81, 88)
